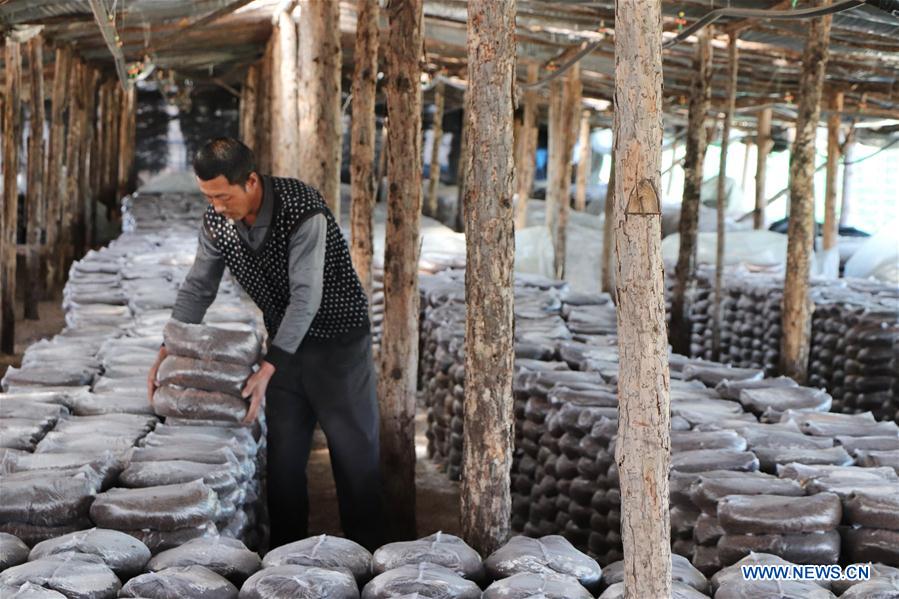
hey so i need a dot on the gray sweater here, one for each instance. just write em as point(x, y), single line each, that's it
point(307, 259)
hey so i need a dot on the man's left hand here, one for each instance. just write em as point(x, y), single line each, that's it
point(255, 389)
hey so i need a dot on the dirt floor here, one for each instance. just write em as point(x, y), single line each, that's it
point(51, 321)
point(436, 499)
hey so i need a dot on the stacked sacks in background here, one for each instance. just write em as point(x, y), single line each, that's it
point(871, 367)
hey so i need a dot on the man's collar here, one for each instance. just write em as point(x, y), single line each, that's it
point(264, 216)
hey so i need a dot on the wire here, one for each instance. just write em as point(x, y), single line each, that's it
point(756, 13)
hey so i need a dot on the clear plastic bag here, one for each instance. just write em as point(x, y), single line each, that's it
point(122, 553)
point(324, 551)
point(76, 576)
point(12, 551)
point(527, 585)
point(235, 345)
point(208, 375)
point(549, 554)
point(227, 557)
point(180, 402)
point(769, 514)
point(163, 508)
point(195, 582)
point(300, 582)
point(429, 580)
point(439, 548)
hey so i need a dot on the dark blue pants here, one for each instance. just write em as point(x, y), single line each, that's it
point(332, 383)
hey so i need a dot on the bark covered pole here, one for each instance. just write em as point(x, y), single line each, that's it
point(845, 200)
point(571, 103)
point(127, 108)
point(249, 106)
point(12, 132)
point(720, 203)
point(697, 141)
point(764, 144)
point(583, 162)
point(36, 156)
point(285, 146)
point(608, 234)
point(643, 449)
point(263, 148)
point(71, 200)
point(399, 344)
point(318, 97)
point(464, 161)
point(486, 500)
point(554, 154)
point(362, 134)
point(525, 162)
point(53, 179)
point(831, 225)
point(797, 315)
point(434, 174)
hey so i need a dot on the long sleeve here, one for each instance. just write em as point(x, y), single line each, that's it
point(306, 271)
point(201, 285)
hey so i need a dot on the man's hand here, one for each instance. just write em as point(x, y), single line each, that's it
point(151, 378)
point(255, 388)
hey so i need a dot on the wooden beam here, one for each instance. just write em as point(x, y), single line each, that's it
point(697, 142)
point(113, 43)
point(399, 341)
point(318, 97)
point(643, 448)
point(362, 140)
point(486, 501)
point(12, 133)
point(720, 200)
point(831, 224)
point(800, 232)
point(34, 201)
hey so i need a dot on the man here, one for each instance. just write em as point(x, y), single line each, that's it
point(282, 244)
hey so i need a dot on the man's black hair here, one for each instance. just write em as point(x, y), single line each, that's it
point(225, 156)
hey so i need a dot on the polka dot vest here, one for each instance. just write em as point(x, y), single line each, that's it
point(263, 274)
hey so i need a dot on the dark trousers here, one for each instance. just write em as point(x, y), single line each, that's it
point(332, 383)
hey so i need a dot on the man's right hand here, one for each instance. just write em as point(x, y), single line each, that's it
point(151, 378)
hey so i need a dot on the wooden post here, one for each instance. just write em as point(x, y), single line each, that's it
point(53, 179)
point(486, 500)
point(764, 143)
point(263, 149)
point(71, 198)
point(35, 199)
point(796, 311)
point(318, 99)
point(563, 128)
point(583, 163)
point(747, 147)
point(125, 156)
point(88, 162)
point(674, 146)
point(91, 158)
point(721, 190)
point(608, 234)
point(249, 107)
point(525, 161)
point(285, 145)
point(464, 162)
point(363, 131)
point(382, 161)
point(643, 449)
point(399, 342)
point(12, 133)
point(848, 147)
point(831, 225)
point(434, 178)
point(697, 141)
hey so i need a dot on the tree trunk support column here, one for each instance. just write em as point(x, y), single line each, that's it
point(12, 133)
point(831, 225)
point(486, 500)
point(797, 309)
point(722, 188)
point(697, 141)
point(643, 449)
point(35, 199)
point(764, 144)
point(399, 343)
point(362, 134)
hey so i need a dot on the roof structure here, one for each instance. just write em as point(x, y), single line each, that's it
point(216, 39)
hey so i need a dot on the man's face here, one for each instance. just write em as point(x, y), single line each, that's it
point(231, 201)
